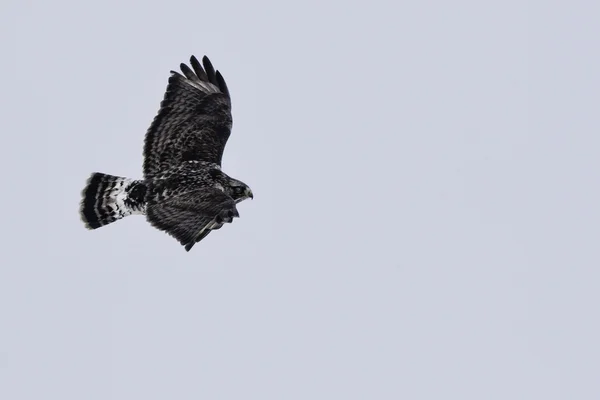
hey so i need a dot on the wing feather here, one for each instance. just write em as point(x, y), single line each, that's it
point(191, 216)
point(198, 69)
point(194, 120)
point(221, 83)
point(189, 73)
point(210, 70)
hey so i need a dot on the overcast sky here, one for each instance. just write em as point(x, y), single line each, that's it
point(425, 222)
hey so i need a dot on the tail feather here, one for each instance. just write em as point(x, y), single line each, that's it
point(108, 198)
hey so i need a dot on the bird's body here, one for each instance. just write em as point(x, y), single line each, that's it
point(184, 192)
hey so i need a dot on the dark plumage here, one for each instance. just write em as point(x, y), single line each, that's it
point(184, 192)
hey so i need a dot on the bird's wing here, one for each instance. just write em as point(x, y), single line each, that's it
point(194, 120)
point(190, 217)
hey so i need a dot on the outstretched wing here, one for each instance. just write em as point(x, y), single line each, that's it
point(194, 120)
point(190, 217)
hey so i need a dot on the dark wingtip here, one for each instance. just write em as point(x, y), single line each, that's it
point(206, 73)
point(222, 85)
point(210, 70)
point(188, 72)
point(197, 67)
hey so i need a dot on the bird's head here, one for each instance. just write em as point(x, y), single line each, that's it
point(239, 191)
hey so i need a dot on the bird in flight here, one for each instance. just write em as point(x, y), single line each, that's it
point(184, 191)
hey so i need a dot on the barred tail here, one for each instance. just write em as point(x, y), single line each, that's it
point(108, 198)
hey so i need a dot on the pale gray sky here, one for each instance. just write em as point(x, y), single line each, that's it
point(425, 222)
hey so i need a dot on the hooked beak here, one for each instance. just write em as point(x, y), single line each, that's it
point(249, 194)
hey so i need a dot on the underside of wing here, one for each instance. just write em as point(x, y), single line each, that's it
point(190, 217)
point(194, 121)
point(184, 225)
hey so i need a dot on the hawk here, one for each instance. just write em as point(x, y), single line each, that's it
point(184, 191)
